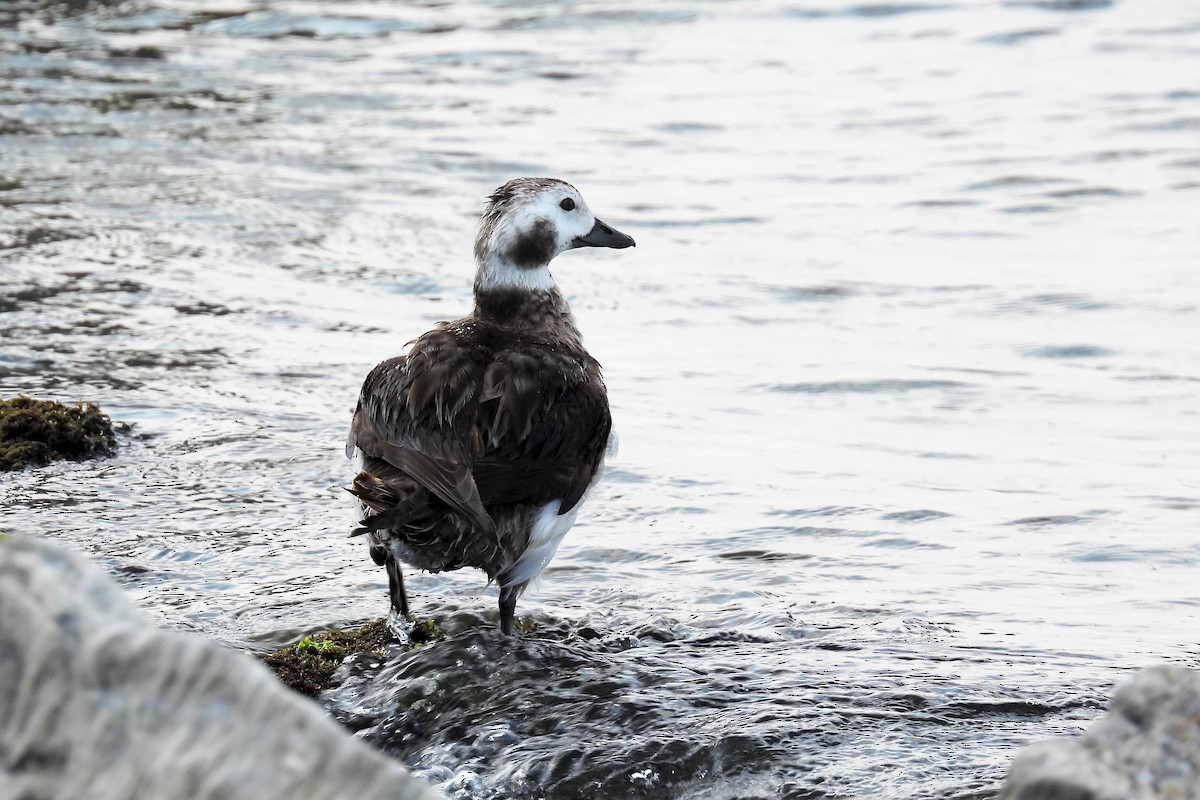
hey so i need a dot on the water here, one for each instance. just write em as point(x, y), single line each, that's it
point(904, 365)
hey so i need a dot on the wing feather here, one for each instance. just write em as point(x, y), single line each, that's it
point(480, 417)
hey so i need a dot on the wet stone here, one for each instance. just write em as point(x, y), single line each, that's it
point(36, 432)
point(308, 665)
point(97, 702)
point(1147, 747)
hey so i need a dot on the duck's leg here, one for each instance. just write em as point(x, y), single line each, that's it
point(508, 608)
point(396, 587)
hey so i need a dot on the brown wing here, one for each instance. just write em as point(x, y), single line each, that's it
point(479, 417)
point(415, 414)
point(544, 421)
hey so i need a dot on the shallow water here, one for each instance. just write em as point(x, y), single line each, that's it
point(904, 365)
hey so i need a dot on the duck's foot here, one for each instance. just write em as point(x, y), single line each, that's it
point(399, 627)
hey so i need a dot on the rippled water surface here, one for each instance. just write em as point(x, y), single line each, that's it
point(905, 364)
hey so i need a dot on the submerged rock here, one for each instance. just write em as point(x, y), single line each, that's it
point(1146, 748)
point(35, 432)
point(97, 702)
point(308, 665)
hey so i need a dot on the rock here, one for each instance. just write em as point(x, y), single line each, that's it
point(96, 702)
point(1146, 748)
point(35, 432)
point(308, 666)
point(311, 665)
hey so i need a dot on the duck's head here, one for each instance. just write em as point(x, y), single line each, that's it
point(529, 221)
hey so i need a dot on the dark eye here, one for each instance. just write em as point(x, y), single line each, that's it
point(567, 204)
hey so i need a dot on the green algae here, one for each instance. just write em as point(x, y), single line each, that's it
point(36, 432)
point(308, 665)
point(425, 631)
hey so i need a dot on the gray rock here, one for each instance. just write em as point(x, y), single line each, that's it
point(1146, 748)
point(97, 702)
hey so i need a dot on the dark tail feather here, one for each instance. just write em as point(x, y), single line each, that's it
point(412, 510)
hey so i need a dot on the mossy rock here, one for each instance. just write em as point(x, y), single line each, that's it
point(36, 432)
point(425, 631)
point(308, 665)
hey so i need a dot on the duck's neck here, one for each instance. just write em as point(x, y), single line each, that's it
point(524, 300)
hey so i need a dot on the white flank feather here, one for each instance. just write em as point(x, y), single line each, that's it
point(548, 529)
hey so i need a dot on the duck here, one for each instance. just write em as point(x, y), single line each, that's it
point(478, 446)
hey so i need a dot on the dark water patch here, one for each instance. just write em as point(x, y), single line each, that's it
point(1122, 553)
point(183, 359)
point(821, 511)
point(1123, 154)
point(1053, 301)
point(980, 709)
point(1089, 191)
point(1033, 208)
point(355, 327)
point(763, 555)
point(1159, 377)
point(1049, 521)
point(141, 52)
point(688, 127)
point(613, 555)
point(863, 387)
point(1164, 30)
point(271, 24)
point(1176, 124)
point(1062, 5)
point(203, 308)
point(146, 18)
point(891, 9)
point(1072, 302)
point(1177, 503)
point(868, 179)
point(27, 238)
point(76, 297)
point(902, 543)
point(939, 203)
point(180, 556)
point(188, 100)
point(1067, 351)
point(916, 515)
point(693, 222)
point(1019, 37)
point(10, 126)
point(977, 234)
point(16, 297)
point(800, 294)
point(1014, 182)
point(893, 122)
point(13, 12)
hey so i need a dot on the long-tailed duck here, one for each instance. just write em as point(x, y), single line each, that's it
point(477, 447)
